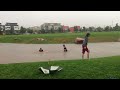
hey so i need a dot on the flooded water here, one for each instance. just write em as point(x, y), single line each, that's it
point(19, 53)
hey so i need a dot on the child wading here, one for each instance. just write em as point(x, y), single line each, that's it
point(40, 50)
point(84, 46)
point(65, 49)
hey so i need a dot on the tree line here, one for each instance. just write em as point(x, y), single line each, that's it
point(82, 29)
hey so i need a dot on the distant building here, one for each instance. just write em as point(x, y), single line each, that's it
point(47, 27)
point(65, 28)
point(11, 28)
point(78, 27)
point(71, 29)
point(1, 28)
point(35, 28)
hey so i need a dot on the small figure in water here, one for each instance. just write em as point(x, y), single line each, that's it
point(40, 50)
point(65, 49)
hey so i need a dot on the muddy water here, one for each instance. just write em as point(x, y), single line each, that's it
point(18, 53)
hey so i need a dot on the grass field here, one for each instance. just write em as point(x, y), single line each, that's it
point(60, 38)
point(100, 68)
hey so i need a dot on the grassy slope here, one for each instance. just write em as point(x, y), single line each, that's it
point(101, 68)
point(60, 38)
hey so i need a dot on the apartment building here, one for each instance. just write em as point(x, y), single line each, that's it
point(47, 27)
point(11, 28)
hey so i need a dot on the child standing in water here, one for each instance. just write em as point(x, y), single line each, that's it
point(65, 49)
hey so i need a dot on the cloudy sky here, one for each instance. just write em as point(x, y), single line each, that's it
point(70, 18)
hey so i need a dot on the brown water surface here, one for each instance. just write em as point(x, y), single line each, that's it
point(18, 53)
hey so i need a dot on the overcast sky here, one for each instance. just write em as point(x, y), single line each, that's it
point(70, 18)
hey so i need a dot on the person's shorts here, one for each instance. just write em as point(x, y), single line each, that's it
point(84, 48)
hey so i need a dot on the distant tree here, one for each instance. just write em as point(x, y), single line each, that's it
point(117, 27)
point(30, 31)
point(42, 31)
point(22, 30)
point(99, 29)
point(84, 29)
point(90, 29)
point(80, 29)
point(75, 29)
point(59, 29)
point(46, 29)
point(111, 29)
point(0, 28)
point(52, 29)
point(107, 28)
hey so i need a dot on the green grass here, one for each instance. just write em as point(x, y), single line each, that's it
point(99, 68)
point(60, 38)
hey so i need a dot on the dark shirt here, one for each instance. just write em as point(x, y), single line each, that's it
point(65, 49)
point(85, 41)
point(40, 50)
